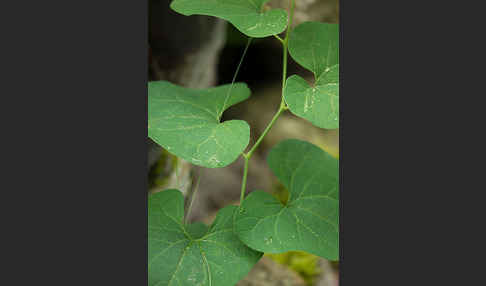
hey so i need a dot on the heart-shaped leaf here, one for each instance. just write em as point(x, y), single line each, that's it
point(310, 219)
point(186, 122)
point(247, 16)
point(315, 46)
point(194, 254)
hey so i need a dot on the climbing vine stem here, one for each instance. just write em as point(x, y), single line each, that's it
point(282, 108)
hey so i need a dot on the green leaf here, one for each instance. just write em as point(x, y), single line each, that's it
point(310, 219)
point(315, 46)
point(194, 254)
point(186, 122)
point(246, 15)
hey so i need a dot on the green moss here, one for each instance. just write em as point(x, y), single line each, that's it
point(305, 264)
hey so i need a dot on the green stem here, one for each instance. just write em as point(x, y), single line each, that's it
point(282, 108)
point(234, 78)
point(285, 45)
point(243, 183)
point(267, 129)
point(248, 155)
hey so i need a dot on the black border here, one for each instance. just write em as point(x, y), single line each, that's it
point(75, 80)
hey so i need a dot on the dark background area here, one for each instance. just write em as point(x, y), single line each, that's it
point(263, 61)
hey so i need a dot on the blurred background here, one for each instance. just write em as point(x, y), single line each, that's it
point(201, 51)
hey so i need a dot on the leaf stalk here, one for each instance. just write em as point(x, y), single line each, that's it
point(283, 106)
